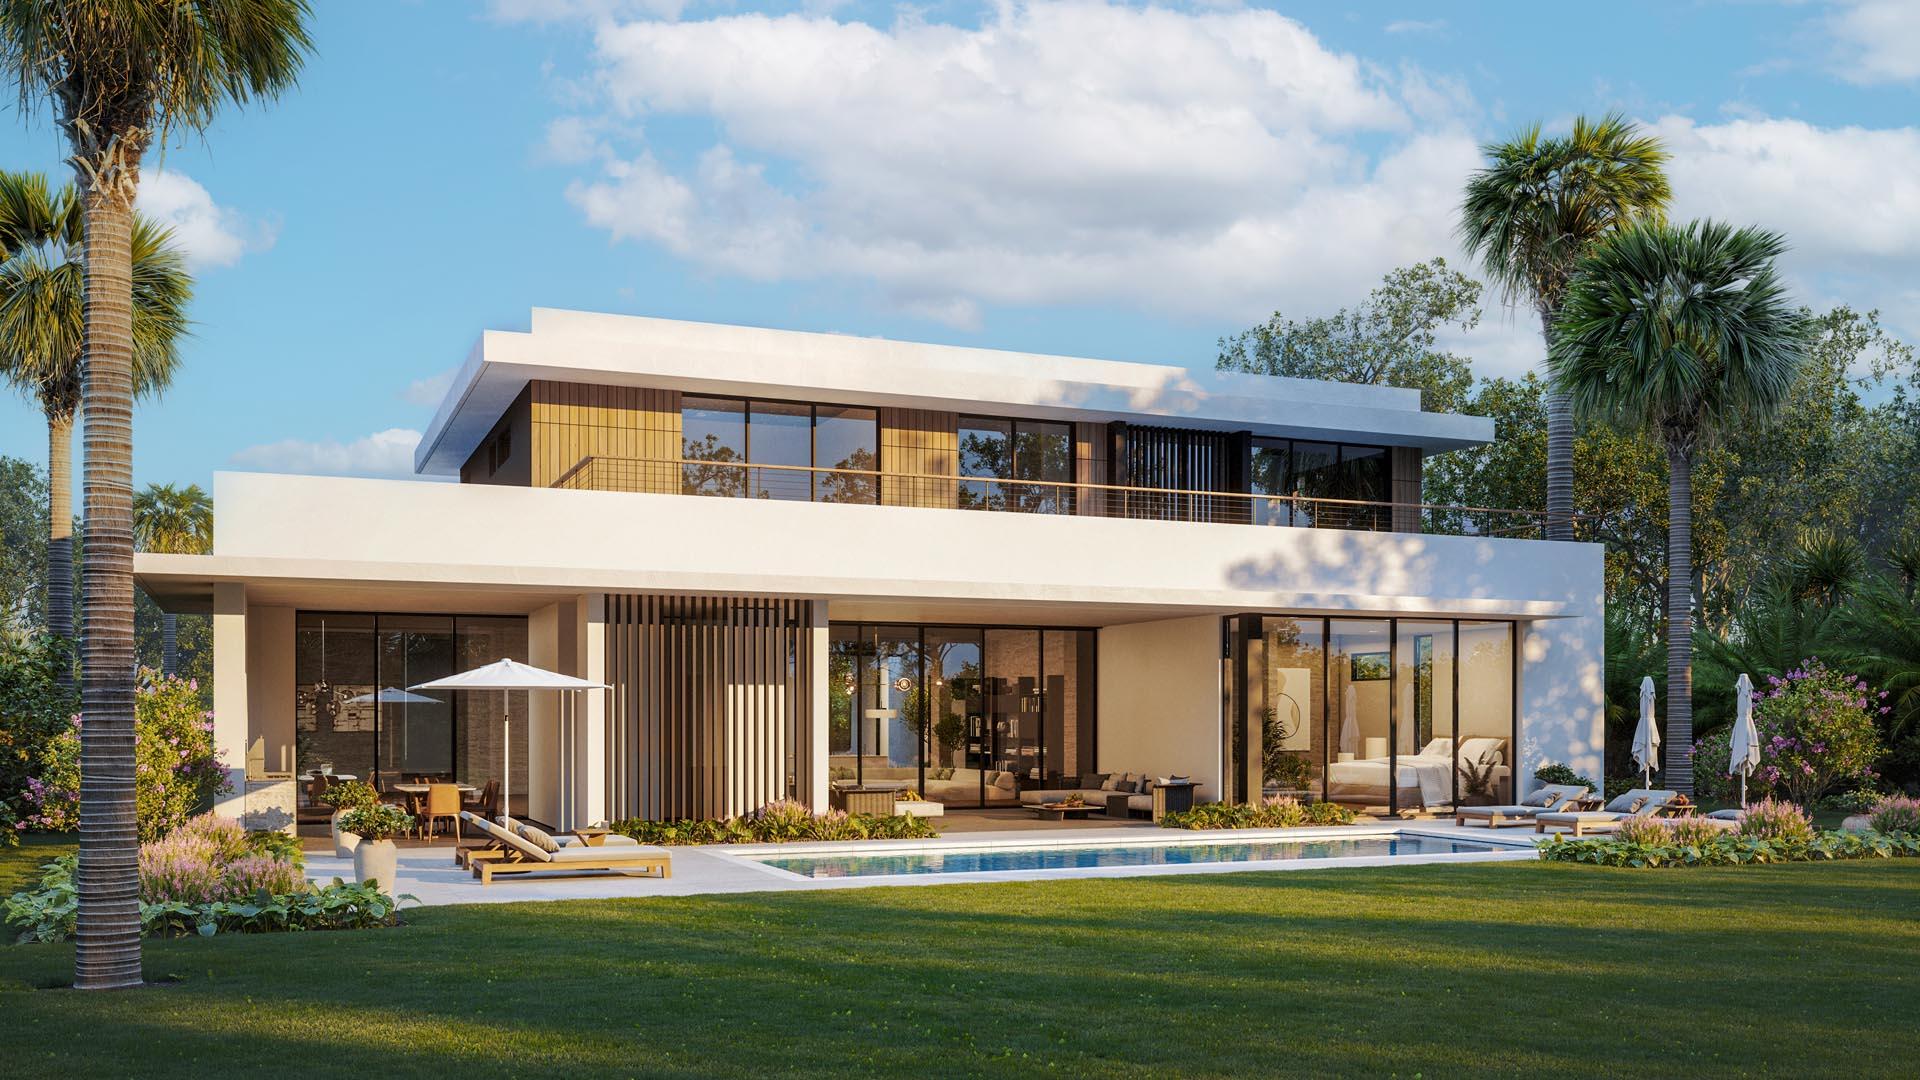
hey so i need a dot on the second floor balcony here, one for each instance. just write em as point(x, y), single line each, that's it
point(798, 483)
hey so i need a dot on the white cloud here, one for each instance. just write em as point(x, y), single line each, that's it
point(427, 392)
point(1213, 162)
point(209, 234)
point(1878, 41)
point(384, 453)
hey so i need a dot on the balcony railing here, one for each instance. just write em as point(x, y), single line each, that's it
point(802, 483)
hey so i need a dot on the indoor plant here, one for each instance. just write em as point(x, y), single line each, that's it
point(344, 796)
point(374, 858)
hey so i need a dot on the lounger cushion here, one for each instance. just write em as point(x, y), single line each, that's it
point(635, 853)
point(1545, 797)
point(1497, 811)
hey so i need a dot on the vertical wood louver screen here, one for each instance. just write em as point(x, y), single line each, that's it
point(710, 711)
point(1179, 460)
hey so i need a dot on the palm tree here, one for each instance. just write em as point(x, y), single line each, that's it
point(177, 521)
point(1682, 332)
point(118, 73)
point(41, 303)
point(1533, 212)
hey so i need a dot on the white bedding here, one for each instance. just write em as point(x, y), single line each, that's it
point(1428, 774)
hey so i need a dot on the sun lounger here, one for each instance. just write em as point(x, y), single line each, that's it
point(525, 849)
point(1549, 798)
point(1640, 802)
point(492, 848)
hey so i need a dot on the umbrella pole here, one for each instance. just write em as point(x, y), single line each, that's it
point(506, 755)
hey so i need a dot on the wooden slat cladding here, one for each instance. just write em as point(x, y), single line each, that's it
point(572, 421)
point(710, 715)
point(1177, 459)
point(918, 443)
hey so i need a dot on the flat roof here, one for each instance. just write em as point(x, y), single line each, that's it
point(743, 361)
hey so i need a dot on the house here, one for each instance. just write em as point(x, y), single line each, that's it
point(803, 564)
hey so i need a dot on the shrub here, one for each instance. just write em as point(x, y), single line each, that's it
point(381, 821)
point(1772, 819)
point(50, 912)
point(1644, 830)
point(779, 822)
point(350, 795)
point(252, 874)
point(282, 846)
point(1817, 735)
point(1694, 830)
point(1553, 772)
point(34, 710)
point(177, 773)
point(1857, 801)
point(1897, 814)
point(1274, 812)
point(1728, 849)
point(180, 869)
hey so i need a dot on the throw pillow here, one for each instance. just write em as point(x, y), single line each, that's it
point(1637, 805)
point(537, 837)
point(1544, 799)
point(1111, 783)
point(1124, 787)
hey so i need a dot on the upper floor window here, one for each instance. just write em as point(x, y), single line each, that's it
point(1021, 465)
point(1316, 470)
point(775, 450)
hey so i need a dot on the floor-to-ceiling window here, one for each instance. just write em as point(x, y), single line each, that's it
point(354, 711)
point(1294, 472)
point(1023, 465)
point(1398, 714)
point(964, 715)
point(772, 449)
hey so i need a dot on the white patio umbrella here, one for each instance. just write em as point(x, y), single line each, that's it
point(1349, 725)
point(1746, 738)
point(505, 675)
point(1646, 737)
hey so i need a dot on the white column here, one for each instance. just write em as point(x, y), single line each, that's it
point(590, 724)
point(815, 728)
point(230, 737)
point(542, 721)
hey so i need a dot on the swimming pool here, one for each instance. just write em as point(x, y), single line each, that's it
point(1196, 853)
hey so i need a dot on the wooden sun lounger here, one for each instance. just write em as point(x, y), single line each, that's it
point(517, 855)
point(1497, 817)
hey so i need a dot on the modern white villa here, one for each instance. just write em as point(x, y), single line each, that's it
point(814, 566)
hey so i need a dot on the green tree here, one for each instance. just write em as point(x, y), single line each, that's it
point(42, 299)
point(118, 73)
point(1533, 212)
point(1391, 339)
point(175, 521)
point(23, 545)
point(1684, 333)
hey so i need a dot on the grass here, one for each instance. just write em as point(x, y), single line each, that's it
point(1506, 968)
point(20, 866)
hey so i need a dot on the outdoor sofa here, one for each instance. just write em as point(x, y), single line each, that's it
point(1096, 788)
point(1547, 799)
point(1640, 802)
point(520, 848)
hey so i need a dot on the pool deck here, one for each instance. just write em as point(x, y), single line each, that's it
point(429, 874)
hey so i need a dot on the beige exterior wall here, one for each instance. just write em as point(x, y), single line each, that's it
point(1159, 700)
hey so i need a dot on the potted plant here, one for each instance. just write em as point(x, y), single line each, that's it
point(374, 858)
point(344, 796)
point(1479, 776)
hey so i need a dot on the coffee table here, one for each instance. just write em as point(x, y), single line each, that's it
point(1059, 811)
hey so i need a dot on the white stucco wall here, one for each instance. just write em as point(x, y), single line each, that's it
point(1159, 700)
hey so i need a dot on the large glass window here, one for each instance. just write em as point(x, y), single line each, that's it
point(355, 714)
point(1402, 714)
point(722, 438)
point(1023, 465)
point(1313, 470)
point(966, 716)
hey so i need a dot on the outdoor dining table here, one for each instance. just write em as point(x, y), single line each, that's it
point(309, 777)
point(422, 789)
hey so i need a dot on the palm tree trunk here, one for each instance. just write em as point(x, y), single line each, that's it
point(60, 534)
point(1679, 734)
point(169, 644)
point(107, 953)
point(1559, 453)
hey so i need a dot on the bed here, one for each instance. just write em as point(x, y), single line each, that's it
point(1422, 779)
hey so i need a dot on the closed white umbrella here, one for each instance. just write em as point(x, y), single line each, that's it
point(1646, 737)
point(505, 675)
point(1746, 738)
point(1349, 726)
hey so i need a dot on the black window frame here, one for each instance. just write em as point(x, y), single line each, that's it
point(813, 441)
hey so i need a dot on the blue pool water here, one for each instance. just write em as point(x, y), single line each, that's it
point(1056, 858)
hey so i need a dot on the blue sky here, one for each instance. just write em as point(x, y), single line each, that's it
point(1095, 179)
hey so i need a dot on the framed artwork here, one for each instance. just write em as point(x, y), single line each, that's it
point(1371, 667)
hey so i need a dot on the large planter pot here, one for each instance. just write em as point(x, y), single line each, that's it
point(375, 860)
point(343, 842)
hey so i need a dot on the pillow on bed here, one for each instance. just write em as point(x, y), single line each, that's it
point(1438, 748)
point(1478, 751)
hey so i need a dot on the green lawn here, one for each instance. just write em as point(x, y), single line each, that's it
point(1547, 970)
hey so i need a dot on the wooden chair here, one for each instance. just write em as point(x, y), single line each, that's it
point(442, 801)
point(486, 801)
point(316, 811)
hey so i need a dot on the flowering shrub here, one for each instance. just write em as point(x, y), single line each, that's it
point(1772, 819)
point(779, 822)
point(1817, 734)
point(176, 772)
point(1273, 812)
point(34, 708)
point(1670, 832)
point(253, 874)
point(1897, 814)
point(211, 858)
point(176, 870)
point(1645, 830)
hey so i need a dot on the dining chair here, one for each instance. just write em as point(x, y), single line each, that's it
point(486, 801)
point(442, 801)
